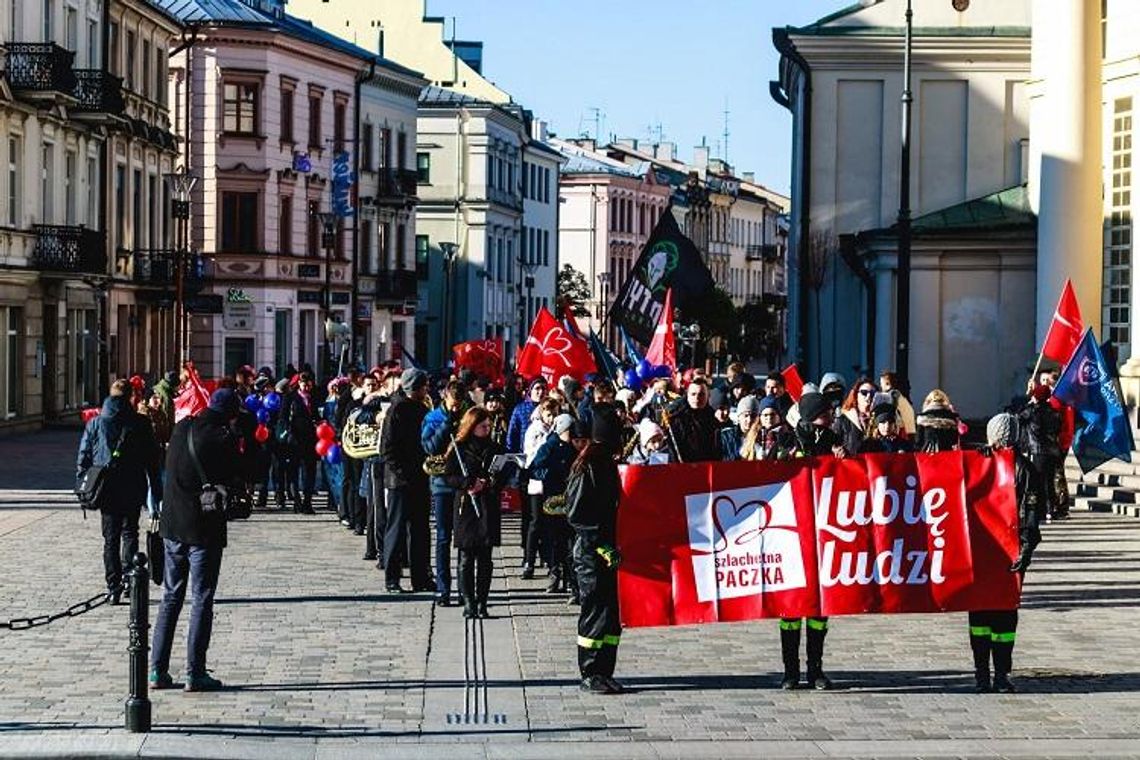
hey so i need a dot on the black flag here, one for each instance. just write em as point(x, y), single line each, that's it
point(669, 260)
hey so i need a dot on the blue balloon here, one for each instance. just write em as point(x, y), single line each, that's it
point(272, 401)
point(252, 402)
point(263, 416)
point(631, 379)
point(644, 369)
point(662, 370)
point(333, 455)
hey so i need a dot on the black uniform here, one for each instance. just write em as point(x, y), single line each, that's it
point(477, 520)
point(591, 501)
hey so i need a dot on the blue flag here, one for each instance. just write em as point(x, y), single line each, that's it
point(607, 362)
point(630, 347)
point(1087, 385)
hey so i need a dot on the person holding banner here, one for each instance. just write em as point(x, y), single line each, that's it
point(816, 438)
point(769, 439)
point(886, 437)
point(937, 425)
point(592, 495)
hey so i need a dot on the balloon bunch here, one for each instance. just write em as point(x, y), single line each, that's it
point(327, 446)
point(262, 407)
point(645, 373)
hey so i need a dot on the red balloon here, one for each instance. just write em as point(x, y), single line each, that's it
point(326, 432)
point(323, 446)
point(261, 434)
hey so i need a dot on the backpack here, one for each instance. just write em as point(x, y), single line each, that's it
point(91, 482)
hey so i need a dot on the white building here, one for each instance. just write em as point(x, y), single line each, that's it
point(539, 234)
point(973, 278)
point(57, 102)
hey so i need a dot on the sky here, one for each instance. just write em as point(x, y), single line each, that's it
point(652, 67)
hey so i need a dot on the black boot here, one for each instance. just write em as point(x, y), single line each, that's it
point(790, 649)
point(307, 505)
point(981, 648)
point(816, 633)
point(1003, 664)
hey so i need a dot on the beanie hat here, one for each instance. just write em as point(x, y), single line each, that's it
point(883, 407)
point(562, 423)
point(606, 429)
point(752, 405)
point(832, 378)
point(813, 405)
point(1001, 430)
point(225, 401)
point(413, 379)
point(647, 430)
point(745, 381)
point(768, 402)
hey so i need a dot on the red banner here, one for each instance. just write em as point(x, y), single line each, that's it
point(552, 351)
point(881, 533)
point(483, 357)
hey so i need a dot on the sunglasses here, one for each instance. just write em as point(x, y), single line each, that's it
point(866, 393)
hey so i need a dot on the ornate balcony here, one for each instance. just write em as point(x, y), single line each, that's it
point(69, 250)
point(396, 186)
point(157, 268)
point(100, 95)
point(505, 198)
point(761, 252)
point(396, 286)
point(40, 71)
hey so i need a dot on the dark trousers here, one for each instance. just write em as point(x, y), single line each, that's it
point(993, 632)
point(790, 645)
point(355, 509)
point(443, 507)
point(538, 531)
point(524, 529)
point(406, 535)
point(599, 625)
point(561, 551)
point(200, 566)
point(307, 472)
point(120, 544)
point(475, 569)
point(284, 475)
point(264, 463)
point(374, 531)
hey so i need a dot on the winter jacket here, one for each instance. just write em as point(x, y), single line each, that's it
point(592, 496)
point(696, 434)
point(896, 445)
point(520, 421)
point(551, 465)
point(815, 441)
point(299, 422)
point(435, 435)
point(731, 439)
point(401, 447)
point(850, 430)
point(776, 444)
point(216, 446)
point(475, 531)
point(137, 464)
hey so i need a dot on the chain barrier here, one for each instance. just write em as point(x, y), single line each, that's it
point(75, 610)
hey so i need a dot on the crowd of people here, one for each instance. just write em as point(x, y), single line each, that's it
point(412, 449)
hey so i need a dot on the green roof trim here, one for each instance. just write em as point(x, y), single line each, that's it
point(918, 31)
point(1005, 208)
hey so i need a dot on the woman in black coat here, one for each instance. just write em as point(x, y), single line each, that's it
point(478, 522)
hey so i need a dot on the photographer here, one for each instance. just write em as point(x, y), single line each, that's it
point(203, 452)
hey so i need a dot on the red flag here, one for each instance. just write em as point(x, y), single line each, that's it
point(793, 382)
point(1065, 330)
point(193, 398)
point(552, 351)
point(663, 349)
point(483, 357)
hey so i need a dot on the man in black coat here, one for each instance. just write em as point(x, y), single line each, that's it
point(121, 435)
point(694, 426)
point(406, 485)
point(202, 450)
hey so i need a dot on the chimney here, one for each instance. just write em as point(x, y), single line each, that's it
point(665, 151)
point(701, 157)
point(750, 177)
point(627, 142)
point(539, 130)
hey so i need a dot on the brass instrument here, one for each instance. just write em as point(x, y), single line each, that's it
point(555, 506)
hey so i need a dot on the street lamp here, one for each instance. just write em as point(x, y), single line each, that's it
point(689, 335)
point(180, 184)
point(327, 221)
point(450, 251)
point(528, 268)
point(902, 285)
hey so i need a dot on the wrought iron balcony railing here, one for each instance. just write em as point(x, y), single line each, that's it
point(396, 184)
point(98, 92)
point(396, 285)
point(504, 198)
point(69, 249)
point(40, 67)
point(158, 267)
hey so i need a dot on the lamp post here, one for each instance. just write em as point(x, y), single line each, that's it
point(528, 269)
point(903, 302)
point(181, 184)
point(603, 303)
point(327, 220)
point(449, 250)
point(689, 335)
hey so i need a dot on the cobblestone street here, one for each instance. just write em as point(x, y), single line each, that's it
point(318, 661)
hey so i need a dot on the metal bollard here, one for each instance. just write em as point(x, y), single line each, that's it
point(138, 703)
